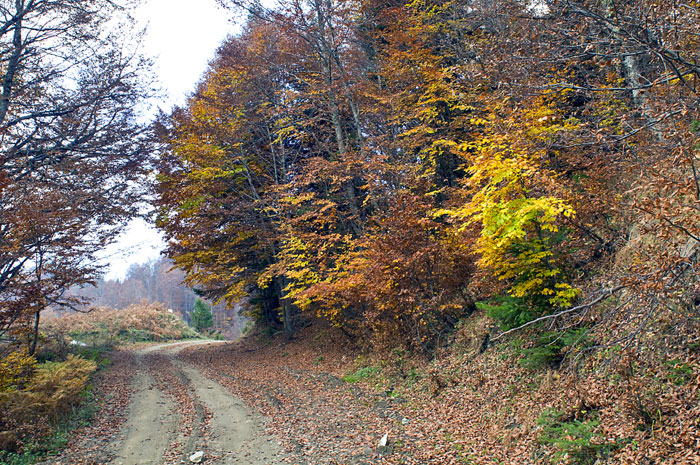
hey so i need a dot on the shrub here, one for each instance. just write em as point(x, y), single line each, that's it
point(202, 319)
point(55, 387)
point(549, 349)
point(137, 323)
point(95, 354)
point(52, 391)
point(361, 374)
point(575, 437)
point(53, 346)
point(510, 312)
point(15, 368)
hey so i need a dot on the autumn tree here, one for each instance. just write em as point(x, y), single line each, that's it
point(612, 113)
point(221, 181)
point(385, 165)
point(73, 155)
point(283, 135)
point(301, 161)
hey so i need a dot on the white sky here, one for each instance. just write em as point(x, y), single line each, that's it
point(181, 36)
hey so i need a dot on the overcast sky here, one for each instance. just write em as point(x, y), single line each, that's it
point(181, 36)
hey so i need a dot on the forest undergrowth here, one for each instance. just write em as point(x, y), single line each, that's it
point(331, 403)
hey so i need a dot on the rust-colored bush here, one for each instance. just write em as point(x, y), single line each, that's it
point(137, 322)
point(52, 391)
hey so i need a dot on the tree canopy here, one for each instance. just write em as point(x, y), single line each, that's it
point(386, 165)
point(73, 156)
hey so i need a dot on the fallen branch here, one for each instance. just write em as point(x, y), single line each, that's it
point(606, 293)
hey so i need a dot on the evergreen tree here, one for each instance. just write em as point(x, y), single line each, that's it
point(201, 316)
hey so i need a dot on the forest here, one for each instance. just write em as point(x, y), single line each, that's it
point(393, 166)
point(477, 193)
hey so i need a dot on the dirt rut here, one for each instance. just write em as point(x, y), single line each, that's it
point(160, 431)
point(151, 426)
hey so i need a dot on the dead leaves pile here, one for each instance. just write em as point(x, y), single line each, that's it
point(475, 409)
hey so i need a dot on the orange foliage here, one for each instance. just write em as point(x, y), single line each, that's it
point(378, 162)
point(154, 320)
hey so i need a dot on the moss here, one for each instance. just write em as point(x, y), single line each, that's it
point(361, 374)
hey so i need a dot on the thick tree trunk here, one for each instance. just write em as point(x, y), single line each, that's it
point(287, 309)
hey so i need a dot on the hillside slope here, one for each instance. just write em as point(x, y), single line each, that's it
point(331, 405)
point(136, 323)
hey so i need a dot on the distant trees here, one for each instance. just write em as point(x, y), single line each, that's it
point(387, 164)
point(72, 154)
point(155, 281)
point(202, 318)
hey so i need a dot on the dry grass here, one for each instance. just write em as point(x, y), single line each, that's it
point(52, 391)
point(136, 323)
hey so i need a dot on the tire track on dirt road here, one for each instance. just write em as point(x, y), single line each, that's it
point(152, 423)
point(162, 430)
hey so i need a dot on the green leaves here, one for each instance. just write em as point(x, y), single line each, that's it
point(202, 318)
point(695, 126)
point(520, 222)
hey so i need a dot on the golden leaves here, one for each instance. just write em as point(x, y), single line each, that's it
point(509, 199)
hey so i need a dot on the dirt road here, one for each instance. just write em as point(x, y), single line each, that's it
point(161, 404)
point(175, 411)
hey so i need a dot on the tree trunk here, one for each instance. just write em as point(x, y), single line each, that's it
point(287, 310)
point(35, 334)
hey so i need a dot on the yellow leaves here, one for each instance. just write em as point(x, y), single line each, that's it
point(565, 294)
point(265, 278)
point(235, 292)
point(544, 121)
point(510, 200)
point(15, 367)
point(52, 389)
point(299, 199)
point(418, 130)
point(211, 172)
point(285, 128)
point(295, 264)
point(478, 122)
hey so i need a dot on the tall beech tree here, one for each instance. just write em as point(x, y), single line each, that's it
point(72, 154)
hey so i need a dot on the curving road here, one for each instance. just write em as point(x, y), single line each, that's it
point(175, 411)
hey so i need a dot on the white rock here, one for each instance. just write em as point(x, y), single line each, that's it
point(197, 457)
point(404, 421)
point(384, 440)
